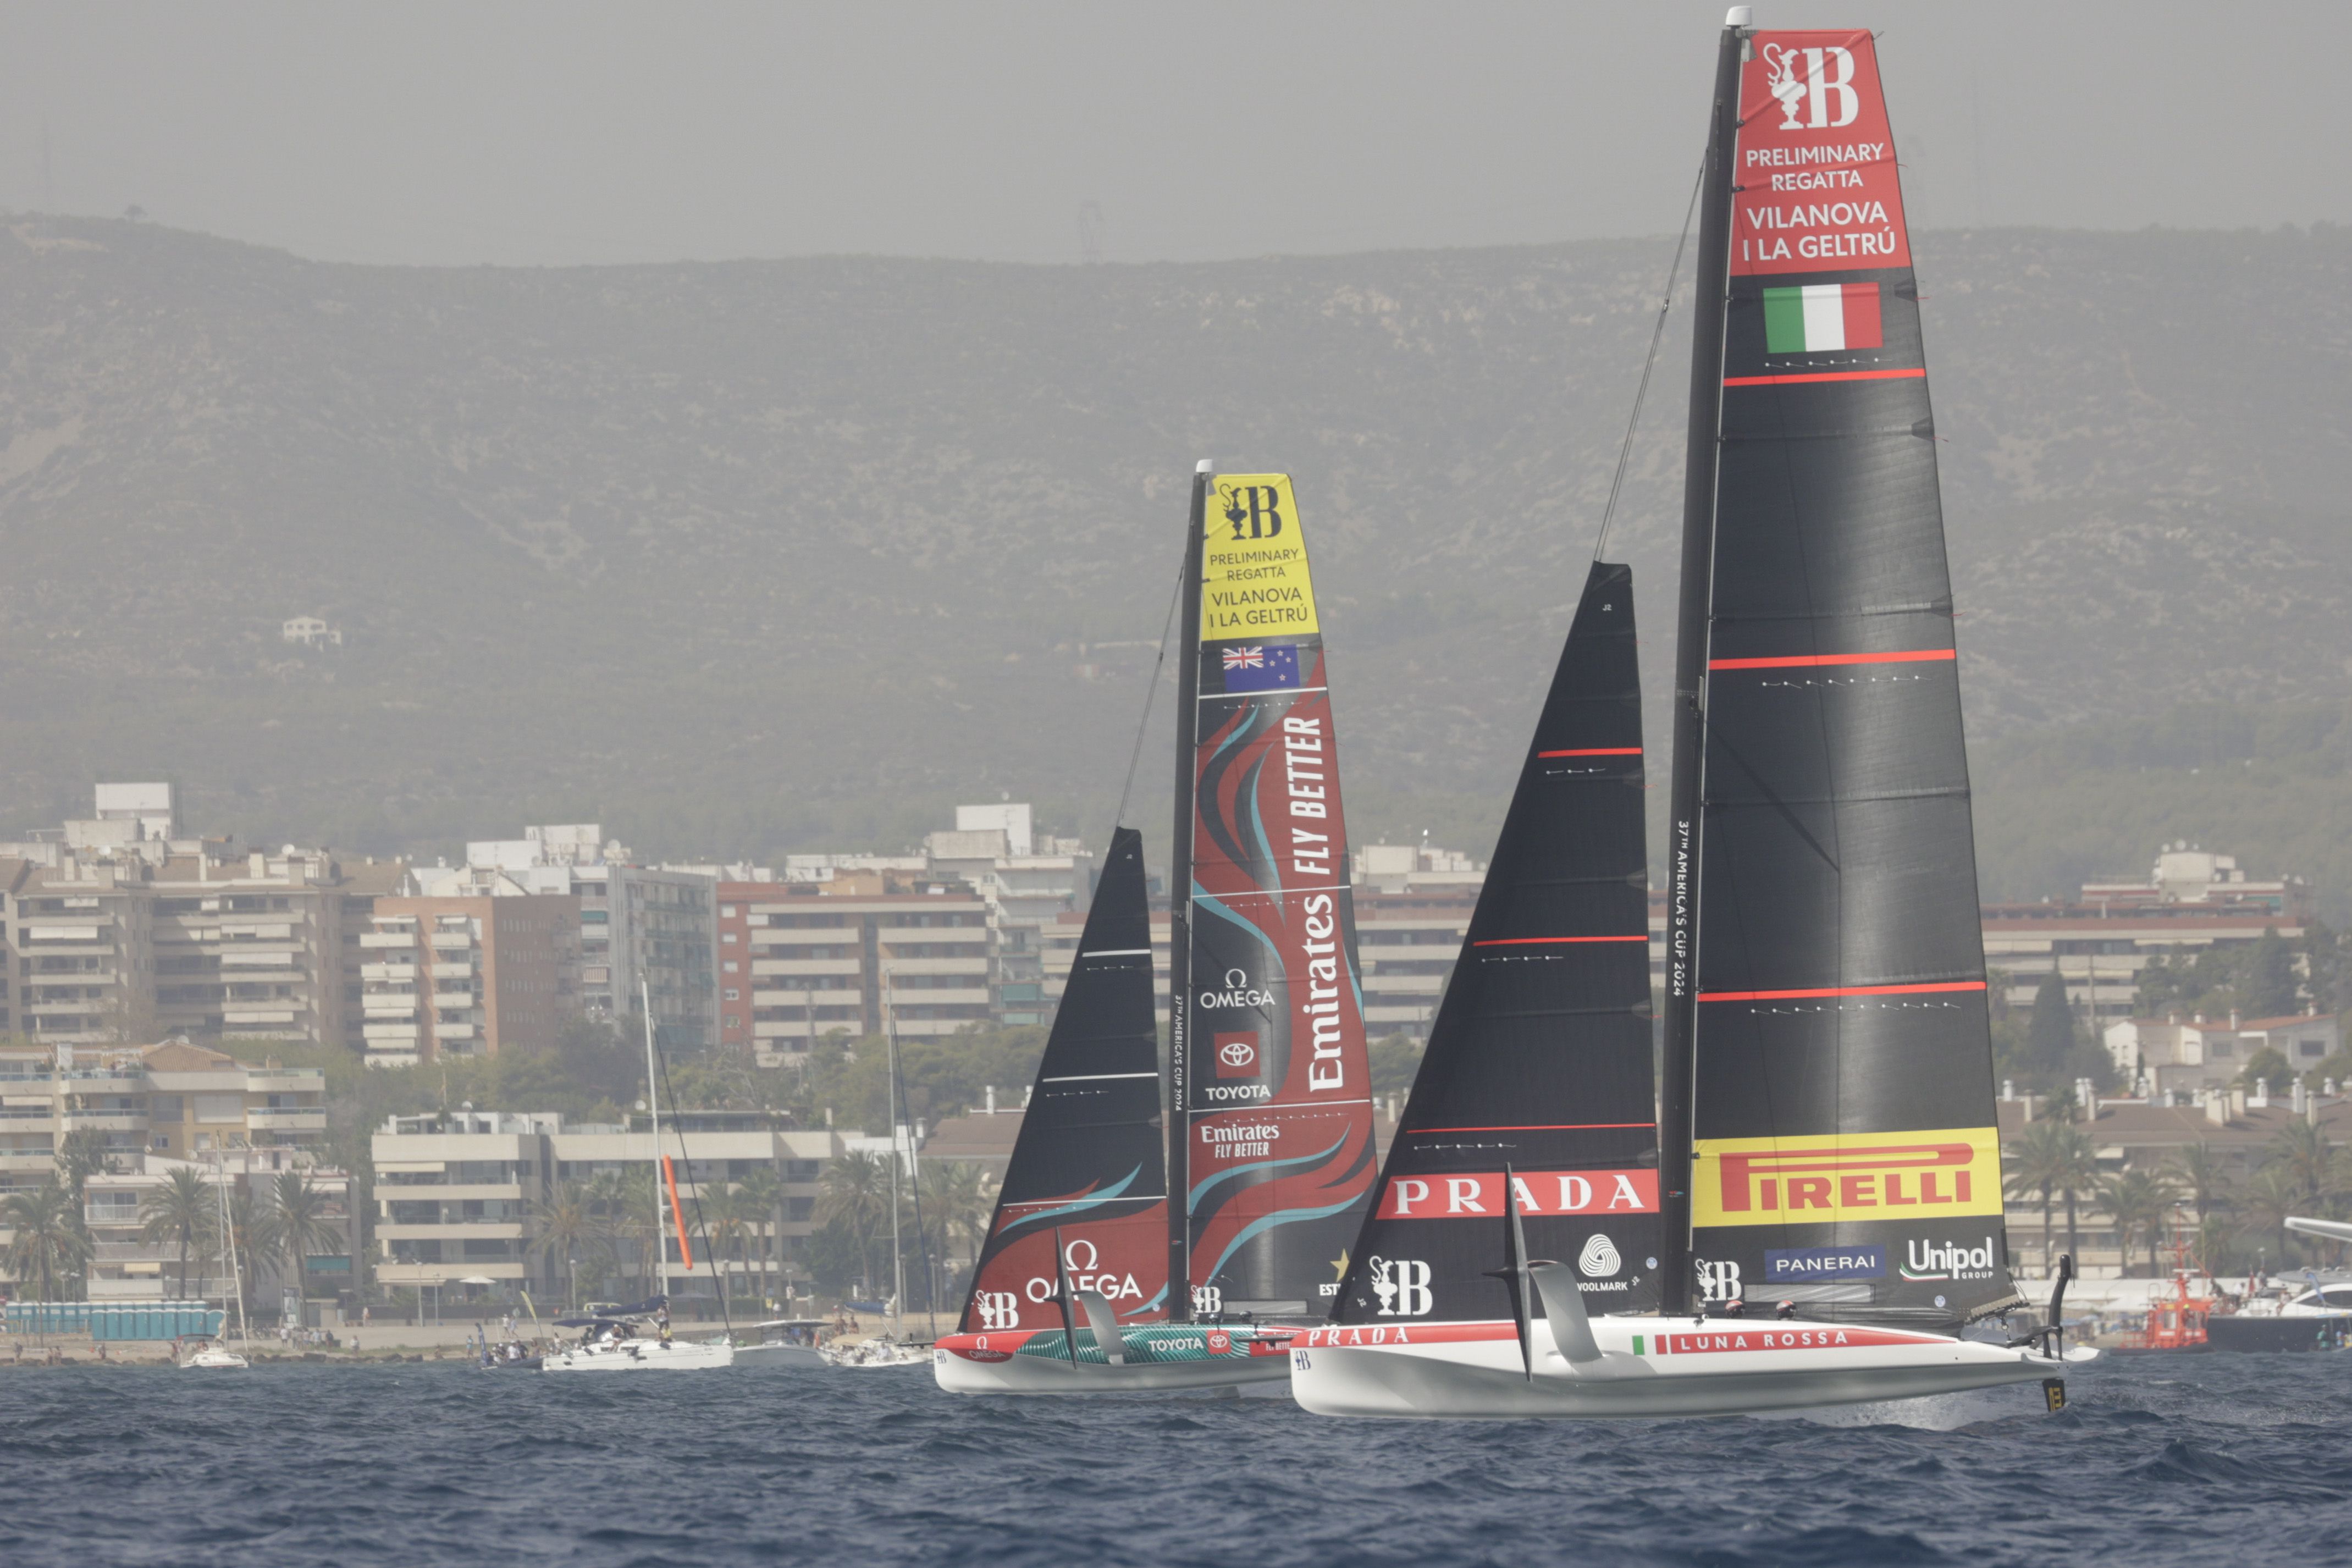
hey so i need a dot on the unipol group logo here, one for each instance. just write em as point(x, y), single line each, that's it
point(1815, 86)
point(1402, 1284)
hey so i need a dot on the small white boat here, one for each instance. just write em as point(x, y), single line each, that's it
point(640, 1354)
point(201, 1352)
point(877, 1355)
point(775, 1345)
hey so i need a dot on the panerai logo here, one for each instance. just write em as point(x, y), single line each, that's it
point(1924, 1259)
point(1815, 87)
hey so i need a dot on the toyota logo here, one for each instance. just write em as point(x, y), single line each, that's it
point(1236, 1053)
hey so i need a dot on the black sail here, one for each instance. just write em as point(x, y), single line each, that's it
point(1844, 1156)
point(1539, 1058)
point(1087, 1161)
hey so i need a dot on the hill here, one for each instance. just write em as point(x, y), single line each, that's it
point(743, 557)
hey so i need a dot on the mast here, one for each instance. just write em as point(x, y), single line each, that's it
point(1702, 458)
point(1179, 900)
point(653, 1108)
point(891, 1093)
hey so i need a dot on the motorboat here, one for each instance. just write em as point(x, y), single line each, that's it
point(635, 1350)
point(784, 1341)
point(201, 1352)
point(877, 1355)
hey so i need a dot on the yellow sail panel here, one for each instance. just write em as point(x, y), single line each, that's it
point(1834, 1178)
point(1254, 581)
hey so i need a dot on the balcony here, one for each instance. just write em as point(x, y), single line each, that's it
point(382, 972)
point(976, 964)
point(103, 1121)
point(287, 1118)
point(241, 931)
point(374, 1031)
point(943, 997)
point(280, 1012)
point(287, 1080)
point(443, 940)
point(27, 1159)
point(383, 938)
point(848, 966)
point(53, 933)
point(453, 1230)
point(977, 935)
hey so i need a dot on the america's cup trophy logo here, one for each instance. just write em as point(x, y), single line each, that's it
point(1815, 86)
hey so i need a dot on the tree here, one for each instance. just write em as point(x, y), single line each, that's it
point(2050, 1033)
point(956, 1206)
point(302, 1222)
point(2269, 1196)
point(762, 1192)
point(565, 1224)
point(2213, 1243)
point(2268, 990)
point(857, 1192)
point(253, 1235)
point(2075, 1171)
point(2202, 1173)
point(2303, 1152)
point(2140, 1202)
point(2268, 1070)
point(180, 1210)
point(81, 1154)
point(2326, 968)
point(2038, 1162)
point(49, 1247)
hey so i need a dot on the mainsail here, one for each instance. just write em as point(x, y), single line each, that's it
point(1539, 1058)
point(1271, 1139)
point(1829, 1067)
point(1087, 1163)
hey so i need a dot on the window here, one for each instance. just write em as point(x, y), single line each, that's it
point(730, 966)
point(733, 994)
point(2313, 1049)
point(726, 911)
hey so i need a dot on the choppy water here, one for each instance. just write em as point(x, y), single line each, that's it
point(2236, 1460)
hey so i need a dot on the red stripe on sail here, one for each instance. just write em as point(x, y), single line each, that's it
point(1825, 374)
point(1811, 660)
point(1524, 940)
point(1863, 329)
point(1563, 1126)
point(1596, 751)
point(1840, 991)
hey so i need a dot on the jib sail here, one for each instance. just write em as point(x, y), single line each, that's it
point(1271, 1145)
point(1087, 1160)
point(1539, 1058)
point(1828, 1030)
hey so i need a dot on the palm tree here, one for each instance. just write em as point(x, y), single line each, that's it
point(2140, 1202)
point(728, 1219)
point(956, 1204)
point(762, 1192)
point(81, 1154)
point(50, 1244)
point(2035, 1166)
point(2310, 1160)
point(179, 1210)
point(2215, 1233)
point(2074, 1172)
point(253, 1232)
point(2203, 1176)
point(2269, 1195)
point(302, 1222)
point(563, 1222)
point(858, 1194)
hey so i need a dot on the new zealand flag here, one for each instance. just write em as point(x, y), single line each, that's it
point(1261, 669)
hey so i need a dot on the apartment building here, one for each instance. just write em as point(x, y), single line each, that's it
point(469, 976)
point(2191, 901)
point(150, 1109)
point(117, 928)
point(862, 952)
point(2169, 1055)
point(642, 929)
point(460, 1197)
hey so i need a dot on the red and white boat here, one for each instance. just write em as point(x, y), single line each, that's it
point(1113, 1263)
point(1807, 1209)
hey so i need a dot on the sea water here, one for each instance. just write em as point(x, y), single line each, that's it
point(2204, 1459)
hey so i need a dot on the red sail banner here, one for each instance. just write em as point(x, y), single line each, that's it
point(1276, 1158)
point(1816, 189)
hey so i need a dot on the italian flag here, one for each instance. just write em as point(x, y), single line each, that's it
point(1822, 316)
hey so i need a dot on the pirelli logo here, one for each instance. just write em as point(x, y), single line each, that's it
point(1847, 1176)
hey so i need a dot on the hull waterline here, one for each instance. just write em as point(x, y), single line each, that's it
point(642, 1355)
point(1157, 1359)
point(1724, 1368)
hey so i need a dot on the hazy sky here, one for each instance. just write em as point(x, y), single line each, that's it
point(595, 132)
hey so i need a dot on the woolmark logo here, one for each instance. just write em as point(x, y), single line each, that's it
point(1924, 1259)
point(1402, 1285)
point(1599, 1260)
point(1815, 87)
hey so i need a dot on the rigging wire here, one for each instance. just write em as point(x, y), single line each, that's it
point(1641, 392)
point(1144, 724)
point(717, 1266)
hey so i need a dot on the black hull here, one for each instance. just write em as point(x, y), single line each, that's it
point(2271, 1334)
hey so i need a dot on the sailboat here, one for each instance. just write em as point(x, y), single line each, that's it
point(629, 1340)
point(201, 1352)
point(1812, 1214)
point(1110, 1265)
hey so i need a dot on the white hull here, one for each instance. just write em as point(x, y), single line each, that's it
point(1646, 1367)
point(641, 1355)
point(1041, 1375)
point(213, 1360)
point(800, 1358)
